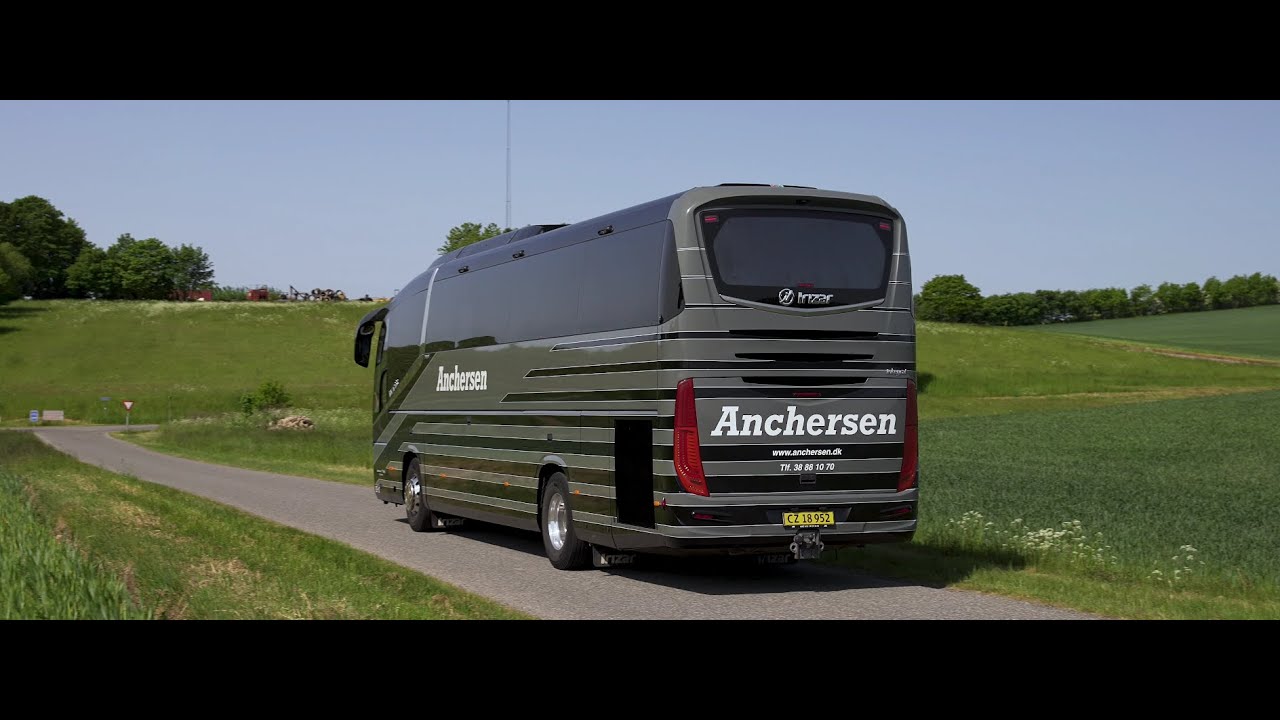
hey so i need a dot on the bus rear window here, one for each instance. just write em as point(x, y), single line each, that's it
point(798, 258)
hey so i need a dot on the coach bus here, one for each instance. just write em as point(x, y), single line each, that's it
point(729, 369)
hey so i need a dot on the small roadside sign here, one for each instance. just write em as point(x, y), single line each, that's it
point(35, 416)
point(128, 405)
point(104, 399)
point(54, 415)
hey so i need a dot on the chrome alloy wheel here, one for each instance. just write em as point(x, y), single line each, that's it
point(557, 521)
point(413, 495)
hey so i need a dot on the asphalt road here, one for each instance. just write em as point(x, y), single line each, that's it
point(510, 566)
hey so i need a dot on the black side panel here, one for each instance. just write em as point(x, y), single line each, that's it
point(670, 290)
point(633, 471)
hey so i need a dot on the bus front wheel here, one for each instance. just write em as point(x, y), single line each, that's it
point(421, 519)
point(563, 547)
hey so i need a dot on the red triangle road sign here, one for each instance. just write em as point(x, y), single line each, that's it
point(128, 405)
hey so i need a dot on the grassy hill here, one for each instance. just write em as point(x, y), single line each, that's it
point(1251, 331)
point(186, 359)
point(176, 359)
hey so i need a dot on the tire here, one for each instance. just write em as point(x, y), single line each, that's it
point(421, 518)
point(564, 549)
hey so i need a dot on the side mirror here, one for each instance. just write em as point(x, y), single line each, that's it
point(364, 336)
point(364, 344)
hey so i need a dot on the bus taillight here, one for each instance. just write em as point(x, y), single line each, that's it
point(910, 444)
point(688, 454)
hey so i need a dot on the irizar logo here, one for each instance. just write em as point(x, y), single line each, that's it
point(787, 296)
point(796, 424)
point(457, 381)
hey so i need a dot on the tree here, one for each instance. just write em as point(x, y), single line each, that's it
point(1013, 309)
point(1182, 298)
point(1212, 293)
point(1192, 297)
point(15, 272)
point(1111, 303)
point(1142, 300)
point(192, 270)
point(144, 268)
point(1235, 292)
point(91, 275)
point(1261, 289)
point(50, 241)
point(950, 298)
point(468, 233)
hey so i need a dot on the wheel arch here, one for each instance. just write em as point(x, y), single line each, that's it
point(408, 457)
point(551, 465)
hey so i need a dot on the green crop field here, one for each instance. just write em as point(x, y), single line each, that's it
point(1251, 331)
point(80, 542)
point(1185, 494)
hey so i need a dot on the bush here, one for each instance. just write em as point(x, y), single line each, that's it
point(270, 394)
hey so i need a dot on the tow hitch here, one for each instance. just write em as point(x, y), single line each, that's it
point(807, 544)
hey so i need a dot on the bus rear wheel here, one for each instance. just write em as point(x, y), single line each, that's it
point(564, 549)
point(421, 518)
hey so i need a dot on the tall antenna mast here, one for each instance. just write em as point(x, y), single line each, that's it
point(508, 165)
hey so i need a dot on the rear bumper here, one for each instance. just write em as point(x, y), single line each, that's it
point(753, 523)
point(771, 543)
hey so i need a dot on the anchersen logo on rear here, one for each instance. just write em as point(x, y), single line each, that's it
point(794, 423)
point(455, 381)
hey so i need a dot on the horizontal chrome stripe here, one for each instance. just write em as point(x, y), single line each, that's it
point(533, 413)
point(600, 491)
point(478, 476)
point(772, 499)
point(597, 519)
point(575, 460)
point(533, 455)
point(481, 499)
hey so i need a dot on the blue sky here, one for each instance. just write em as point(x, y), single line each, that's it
point(357, 195)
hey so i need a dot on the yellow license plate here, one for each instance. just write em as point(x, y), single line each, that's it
point(809, 519)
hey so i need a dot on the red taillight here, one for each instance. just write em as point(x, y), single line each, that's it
point(688, 454)
point(910, 444)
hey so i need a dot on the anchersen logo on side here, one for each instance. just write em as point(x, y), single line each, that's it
point(456, 381)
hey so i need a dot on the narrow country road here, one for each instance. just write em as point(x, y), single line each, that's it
point(510, 567)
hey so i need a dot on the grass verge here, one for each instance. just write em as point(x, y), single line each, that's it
point(174, 555)
point(43, 578)
point(332, 450)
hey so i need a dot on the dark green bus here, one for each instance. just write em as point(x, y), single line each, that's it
point(729, 369)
